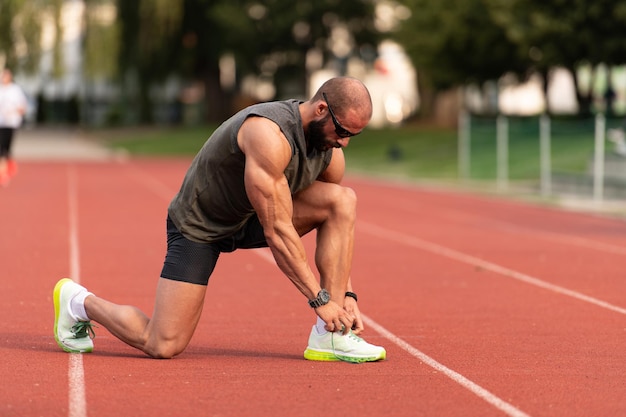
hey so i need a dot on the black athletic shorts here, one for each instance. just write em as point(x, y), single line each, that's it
point(193, 262)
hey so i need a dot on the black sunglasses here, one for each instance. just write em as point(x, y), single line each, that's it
point(341, 131)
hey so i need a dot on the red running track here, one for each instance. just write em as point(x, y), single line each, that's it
point(487, 307)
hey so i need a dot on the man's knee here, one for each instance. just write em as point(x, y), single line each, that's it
point(165, 344)
point(323, 203)
point(345, 201)
point(164, 349)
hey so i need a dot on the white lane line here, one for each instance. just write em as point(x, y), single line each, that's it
point(77, 403)
point(474, 388)
point(485, 395)
point(553, 236)
point(76, 373)
point(72, 205)
point(461, 257)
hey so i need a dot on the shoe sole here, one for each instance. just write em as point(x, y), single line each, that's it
point(316, 355)
point(56, 297)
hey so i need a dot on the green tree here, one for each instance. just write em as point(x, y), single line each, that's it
point(270, 38)
point(565, 33)
point(146, 50)
point(101, 40)
point(148, 41)
point(21, 23)
point(456, 42)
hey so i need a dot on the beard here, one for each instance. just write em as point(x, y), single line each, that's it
point(315, 137)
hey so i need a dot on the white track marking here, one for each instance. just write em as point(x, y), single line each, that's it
point(76, 374)
point(461, 257)
point(476, 389)
point(553, 236)
point(72, 205)
point(485, 395)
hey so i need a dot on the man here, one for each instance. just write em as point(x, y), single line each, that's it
point(13, 104)
point(267, 176)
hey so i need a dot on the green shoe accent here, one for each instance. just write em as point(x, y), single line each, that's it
point(314, 355)
point(332, 347)
point(71, 335)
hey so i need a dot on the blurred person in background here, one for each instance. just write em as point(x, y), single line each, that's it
point(13, 105)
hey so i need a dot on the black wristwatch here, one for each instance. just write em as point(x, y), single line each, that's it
point(323, 297)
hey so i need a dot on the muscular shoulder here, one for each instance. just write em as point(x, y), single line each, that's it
point(263, 143)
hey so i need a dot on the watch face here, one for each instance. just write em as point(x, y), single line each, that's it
point(323, 297)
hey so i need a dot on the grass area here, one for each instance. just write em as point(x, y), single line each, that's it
point(572, 144)
point(161, 141)
point(411, 151)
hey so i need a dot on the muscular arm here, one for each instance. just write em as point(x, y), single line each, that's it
point(267, 155)
point(336, 169)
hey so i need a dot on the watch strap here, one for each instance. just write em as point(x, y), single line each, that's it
point(352, 295)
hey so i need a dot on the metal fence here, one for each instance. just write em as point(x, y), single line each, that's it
point(558, 153)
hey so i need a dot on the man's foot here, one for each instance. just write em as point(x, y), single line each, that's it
point(71, 334)
point(338, 347)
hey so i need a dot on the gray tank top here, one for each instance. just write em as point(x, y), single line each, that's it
point(212, 201)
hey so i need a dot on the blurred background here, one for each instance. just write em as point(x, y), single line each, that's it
point(108, 62)
point(436, 63)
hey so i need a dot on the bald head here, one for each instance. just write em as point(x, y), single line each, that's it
point(346, 94)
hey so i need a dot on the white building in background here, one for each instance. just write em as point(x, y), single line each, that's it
point(511, 97)
point(528, 98)
point(393, 86)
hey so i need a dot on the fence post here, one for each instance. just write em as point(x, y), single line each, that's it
point(598, 166)
point(464, 145)
point(545, 155)
point(502, 163)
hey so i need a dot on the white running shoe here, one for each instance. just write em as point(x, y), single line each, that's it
point(338, 347)
point(71, 334)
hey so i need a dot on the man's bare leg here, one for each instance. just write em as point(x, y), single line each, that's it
point(177, 310)
point(331, 209)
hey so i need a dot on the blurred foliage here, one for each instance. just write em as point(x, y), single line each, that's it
point(101, 41)
point(188, 37)
point(144, 42)
point(21, 24)
point(139, 44)
point(454, 42)
point(565, 33)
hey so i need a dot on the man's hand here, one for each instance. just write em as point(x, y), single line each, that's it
point(351, 306)
point(337, 319)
